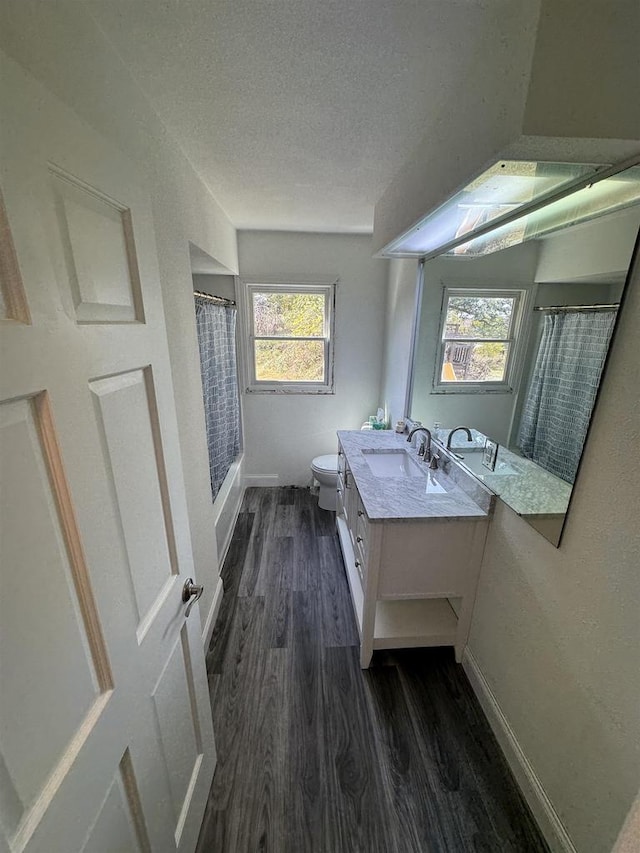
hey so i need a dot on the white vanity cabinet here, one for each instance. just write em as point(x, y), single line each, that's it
point(412, 580)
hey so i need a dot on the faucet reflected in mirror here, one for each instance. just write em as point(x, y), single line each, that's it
point(452, 433)
point(524, 370)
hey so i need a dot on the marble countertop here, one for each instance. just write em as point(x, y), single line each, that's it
point(534, 491)
point(529, 491)
point(433, 496)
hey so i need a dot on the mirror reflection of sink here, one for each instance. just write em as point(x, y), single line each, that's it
point(391, 463)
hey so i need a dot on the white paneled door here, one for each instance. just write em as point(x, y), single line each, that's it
point(106, 740)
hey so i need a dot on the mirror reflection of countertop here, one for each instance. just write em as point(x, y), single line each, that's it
point(522, 484)
point(433, 495)
point(534, 491)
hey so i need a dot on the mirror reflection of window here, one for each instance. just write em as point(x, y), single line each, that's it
point(477, 336)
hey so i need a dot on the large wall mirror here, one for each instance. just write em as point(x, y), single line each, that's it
point(511, 343)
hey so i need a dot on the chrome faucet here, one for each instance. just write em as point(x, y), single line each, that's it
point(450, 436)
point(426, 453)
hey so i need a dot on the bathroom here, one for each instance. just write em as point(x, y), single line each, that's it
point(364, 292)
point(549, 679)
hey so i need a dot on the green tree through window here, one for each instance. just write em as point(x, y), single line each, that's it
point(477, 337)
point(290, 335)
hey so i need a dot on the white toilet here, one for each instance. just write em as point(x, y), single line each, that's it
point(325, 471)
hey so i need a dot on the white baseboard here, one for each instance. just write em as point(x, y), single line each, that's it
point(212, 615)
point(261, 481)
point(546, 816)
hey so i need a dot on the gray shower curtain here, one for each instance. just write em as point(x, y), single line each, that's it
point(216, 325)
point(563, 389)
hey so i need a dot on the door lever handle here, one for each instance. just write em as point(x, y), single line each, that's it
point(191, 592)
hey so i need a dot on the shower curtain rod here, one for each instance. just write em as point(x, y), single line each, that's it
point(558, 308)
point(221, 300)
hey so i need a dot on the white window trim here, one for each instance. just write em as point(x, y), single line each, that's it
point(255, 386)
point(515, 340)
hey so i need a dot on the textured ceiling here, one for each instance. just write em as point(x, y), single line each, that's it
point(298, 113)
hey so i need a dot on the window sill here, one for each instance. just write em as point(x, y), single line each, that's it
point(252, 389)
point(475, 389)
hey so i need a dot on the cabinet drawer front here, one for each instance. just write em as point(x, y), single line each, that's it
point(341, 461)
point(360, 565)
point(350, 495)
point(362, 531)
point(360, 558)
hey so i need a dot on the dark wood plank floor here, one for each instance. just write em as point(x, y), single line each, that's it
point(316, 755)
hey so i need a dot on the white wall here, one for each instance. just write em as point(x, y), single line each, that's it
point(629, 838)
point(601, 248)
point(60, 45)
point(215, 285)
point(569, 94)
point(181, 211)
point(556, 632)
point(284, 432)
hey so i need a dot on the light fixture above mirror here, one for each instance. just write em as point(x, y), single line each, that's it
point(514, 201)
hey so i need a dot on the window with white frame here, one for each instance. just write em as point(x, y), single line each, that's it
point(477, 343)
point(291, 337)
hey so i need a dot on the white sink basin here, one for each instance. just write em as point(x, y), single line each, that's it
point(391, 463)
